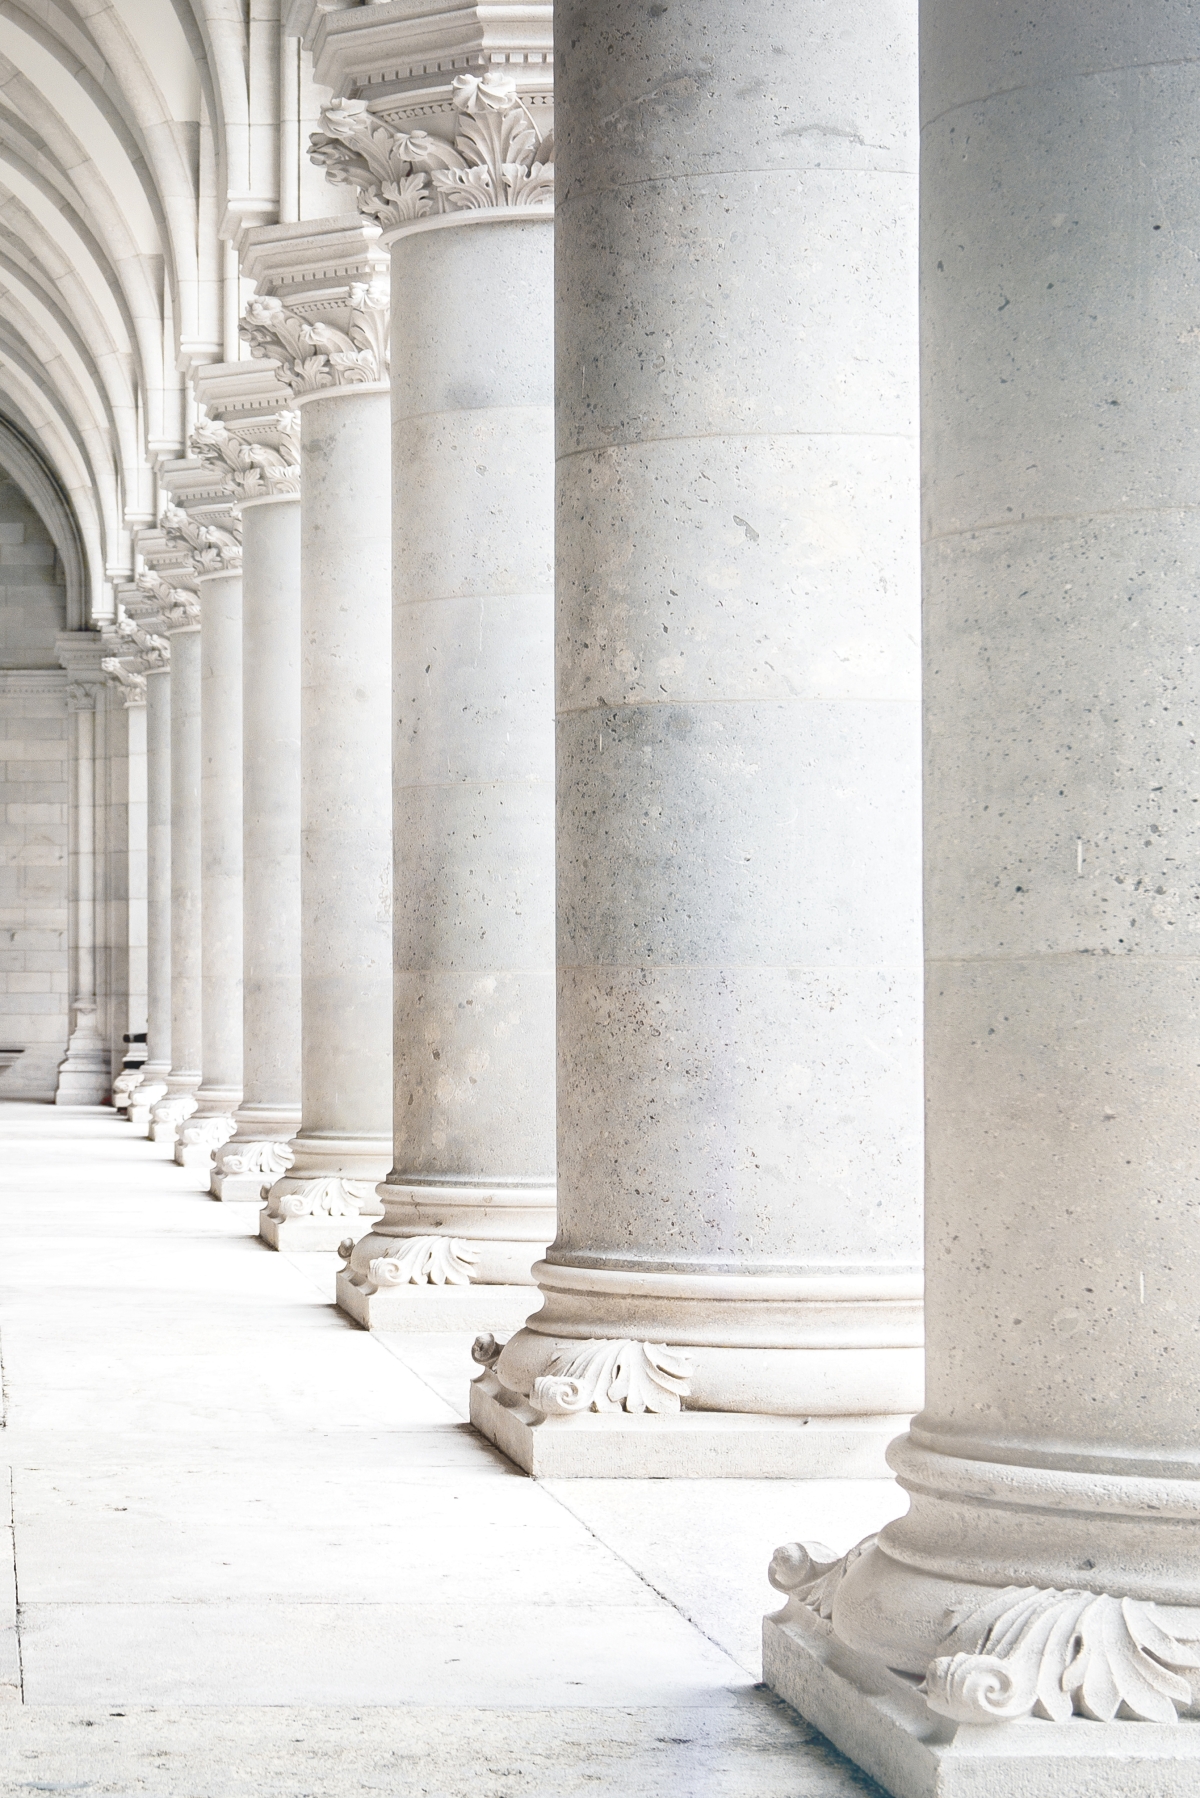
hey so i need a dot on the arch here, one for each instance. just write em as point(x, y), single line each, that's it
point(37, 482)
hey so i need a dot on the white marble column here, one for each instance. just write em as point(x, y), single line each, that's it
point(220, 1091)
point(84, 1076)
point(337, 373)
point(181, 623)
point(738, 1252)
point(469, 1203)
point(153, 1083)
point(1032, 1626)
point(119, 778)
point(247, 1166)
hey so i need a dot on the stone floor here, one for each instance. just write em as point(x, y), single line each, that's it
point(247, 1548)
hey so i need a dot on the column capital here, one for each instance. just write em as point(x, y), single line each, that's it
point(247, 436)
point(124, 674)
point(174, 608)
point(321, 312)
point(494, 154)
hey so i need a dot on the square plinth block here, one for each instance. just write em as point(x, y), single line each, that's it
point(193, 1154)
point(683, 1445)
point(300, 1235)
point(248, 1189)
point(427, 1309)
point(880, 1720)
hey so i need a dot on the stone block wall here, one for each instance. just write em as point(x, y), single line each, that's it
point(33, 803)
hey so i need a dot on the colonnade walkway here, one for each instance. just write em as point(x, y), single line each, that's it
point(252, 1549)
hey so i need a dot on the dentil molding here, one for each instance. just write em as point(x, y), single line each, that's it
point(498, 156)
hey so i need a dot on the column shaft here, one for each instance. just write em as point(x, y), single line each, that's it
point(220, 1091)
point(186, 861)
point(83, 1077)
point(1047, 1566)
point(153, 1084)
point(738, 740)
point(343, 1145)
point(270, 1108)
point(469, 1204)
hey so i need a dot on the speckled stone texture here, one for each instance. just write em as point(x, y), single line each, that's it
point(220, 1090)
point(737, 674)
point(158, 887)
point(346, 810)
point(473, 636)
point(185, 861)
point(1058, 1448)
point(271, 818)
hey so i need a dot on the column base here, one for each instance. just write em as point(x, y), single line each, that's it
point(170, 1112)
point(880, 1720)
point(428, 1309)
point(199, 1137)
point(681, 1445)
point(246, 1171)
point(310, 1234)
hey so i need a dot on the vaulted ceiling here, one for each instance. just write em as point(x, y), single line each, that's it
point(135, 137)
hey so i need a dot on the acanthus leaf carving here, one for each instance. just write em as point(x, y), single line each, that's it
point(329, 1195)
point(212, 549)
point(316, 355)
point(173, 1108)
point(208, 1132)
point(497, 158)
point(130, 680)
point(811, 1574)
point(424, 1261)
point(614, 1376)
point(255, 466)
point(1040, 1652)
point(176, 606)
point(81, 696)
point(269, 1157)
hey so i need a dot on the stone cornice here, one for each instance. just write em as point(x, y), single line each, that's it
point(498, 157)
point(315, 259)
point(404, 54)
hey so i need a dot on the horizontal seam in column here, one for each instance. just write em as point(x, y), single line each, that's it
point(1007, 524)
point(531, 781)
point(807, 168)
point(1020, 87)
point(954, 961)
point(633, 705)
point(405, 418)
point(450, 599)
point(738, 967)
point(723, 436)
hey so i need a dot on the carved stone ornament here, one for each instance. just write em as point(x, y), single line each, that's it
point(212, 549)
point(497, 158)
point(316, 355)
point(176, 605)
point(327, 1196)
point(614, 1376)
point(1034, 1652)
point(81, 696)
point(124, 1084)
point(424, 1260)
point(153, 652)
point(173, 1109)
point(270, 1158)
point(251, 466)
point(206, 1132)
point(130, 680)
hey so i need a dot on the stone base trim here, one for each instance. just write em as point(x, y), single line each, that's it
point(305, 1234)
point(432, 1309)
point(684, 1445)
point(880, 1720)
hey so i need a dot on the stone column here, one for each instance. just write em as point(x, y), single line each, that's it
point(1047, 1567)
point(153, 1083)
point(738, 1251)
point(249, 442)
point(84, 1076)
point(469, 1203)
point(120, 777)
point(180, 620)
point(200, 528)
point(337, 373)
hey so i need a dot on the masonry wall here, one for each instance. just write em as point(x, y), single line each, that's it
point(33, 803)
